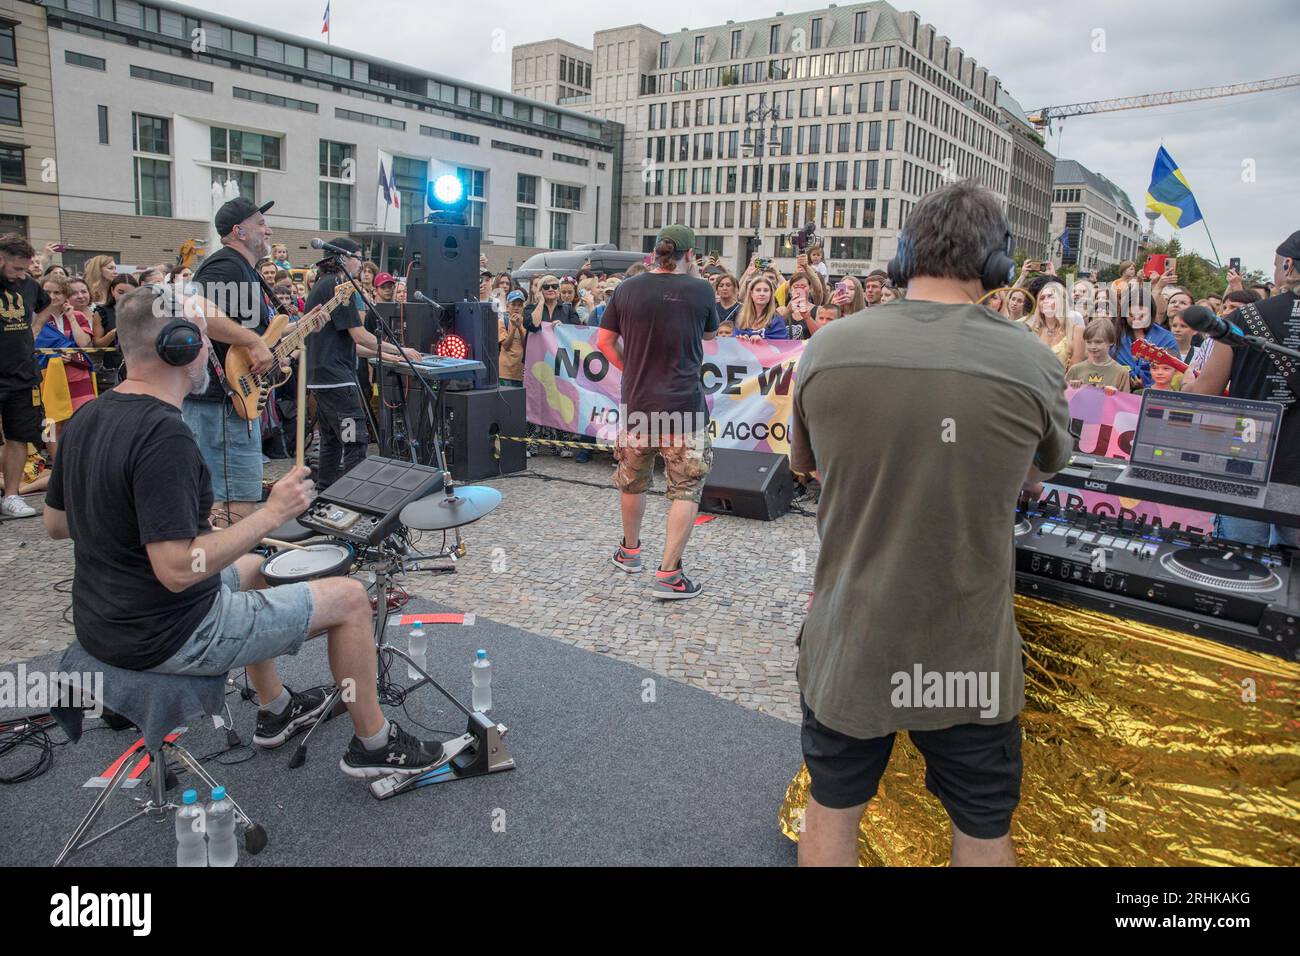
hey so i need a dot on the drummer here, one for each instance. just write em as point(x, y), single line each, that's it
point(155, 588)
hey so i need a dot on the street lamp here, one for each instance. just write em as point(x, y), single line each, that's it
point(755, 139)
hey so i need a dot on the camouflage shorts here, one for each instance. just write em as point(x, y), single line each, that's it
point(687, 461)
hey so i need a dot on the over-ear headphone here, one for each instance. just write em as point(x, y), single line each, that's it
point(179, 342)
point(998, 268)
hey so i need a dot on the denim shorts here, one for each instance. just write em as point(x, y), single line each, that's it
point(232, 453)
point(244, 627)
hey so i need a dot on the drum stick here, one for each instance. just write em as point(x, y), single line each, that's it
point(300, 447)
point(274, 543)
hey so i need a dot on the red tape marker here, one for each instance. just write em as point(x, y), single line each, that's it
point(704, 519)
point(466, 619)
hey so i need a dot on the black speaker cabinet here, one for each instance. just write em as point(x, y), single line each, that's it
point(475, 419)
point(749, 484)
point(443, 260)
point(476, 323)
point(415, 323)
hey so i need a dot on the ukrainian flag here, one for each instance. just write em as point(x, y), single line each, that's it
point(1169, 193)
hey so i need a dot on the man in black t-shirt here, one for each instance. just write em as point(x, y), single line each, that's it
point(1248, 373)
point(231, 446)
point(332, 368)
point(155, 588)
point(23, 306)
point(653, 331)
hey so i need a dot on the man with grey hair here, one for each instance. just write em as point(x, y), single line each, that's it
point(155, 588)
point(963, 408)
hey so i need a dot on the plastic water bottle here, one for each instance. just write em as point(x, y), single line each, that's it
point(223, 848)
point(191, 848)
point(418, 648)
point(481, 674)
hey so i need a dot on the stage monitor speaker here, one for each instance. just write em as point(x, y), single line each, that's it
point(749, 484)
point(443, 260)
point(475, 420)
point(476, 323)
point(416, 324)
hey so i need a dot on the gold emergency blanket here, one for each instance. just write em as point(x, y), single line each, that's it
point(1142, 747)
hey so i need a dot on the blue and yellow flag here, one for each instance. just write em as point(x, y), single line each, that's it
point(1169, 193)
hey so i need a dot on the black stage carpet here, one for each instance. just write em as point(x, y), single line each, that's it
point(603, 777)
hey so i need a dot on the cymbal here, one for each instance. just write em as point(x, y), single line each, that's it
point(440, 513)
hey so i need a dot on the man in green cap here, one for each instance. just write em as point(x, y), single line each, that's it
point(653, 331)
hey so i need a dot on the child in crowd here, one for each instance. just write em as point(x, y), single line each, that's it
point(1098, 368)
point(1164, 376)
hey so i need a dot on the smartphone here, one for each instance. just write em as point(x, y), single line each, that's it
point(841, 288)
point(1171, 265)
point(764, 263)
point(1235, 264)
point(1032, 265)
point(61, 246)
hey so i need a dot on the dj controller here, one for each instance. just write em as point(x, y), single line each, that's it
point(1238, 594)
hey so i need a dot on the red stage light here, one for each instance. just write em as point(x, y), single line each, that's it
point(452, 346)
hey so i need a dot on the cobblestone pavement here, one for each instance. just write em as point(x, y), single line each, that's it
point(541, 562)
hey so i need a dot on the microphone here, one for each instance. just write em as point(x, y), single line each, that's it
point(1200, 319)
point(421, 297)
point(330, 248)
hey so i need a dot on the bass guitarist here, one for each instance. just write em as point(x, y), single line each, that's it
point(232, 447)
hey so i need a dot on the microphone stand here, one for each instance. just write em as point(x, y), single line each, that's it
point(1264, 345)
point(382, 324)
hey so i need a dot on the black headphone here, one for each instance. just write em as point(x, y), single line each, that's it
point(179, 342)
point(997, 270)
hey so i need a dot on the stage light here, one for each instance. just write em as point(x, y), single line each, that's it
point(448, 190)
point(452, 346)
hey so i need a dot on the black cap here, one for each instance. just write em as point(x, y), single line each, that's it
point(348, 243)
point(1290, 248)
point(236, 211)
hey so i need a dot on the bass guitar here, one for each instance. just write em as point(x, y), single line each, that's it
point(249, 391)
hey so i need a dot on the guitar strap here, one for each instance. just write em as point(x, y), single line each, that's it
point(1257, 327)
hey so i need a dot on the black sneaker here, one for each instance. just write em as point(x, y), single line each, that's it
point(403, 754)
point(274, 729)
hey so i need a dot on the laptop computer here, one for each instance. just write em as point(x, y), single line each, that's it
point(1220, 449)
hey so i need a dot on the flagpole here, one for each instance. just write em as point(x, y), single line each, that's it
point(1211, 238)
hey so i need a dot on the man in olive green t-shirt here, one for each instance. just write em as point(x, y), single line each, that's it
point(924, 419)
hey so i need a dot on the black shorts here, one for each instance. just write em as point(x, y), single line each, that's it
point(21, 414)
point(974, 770)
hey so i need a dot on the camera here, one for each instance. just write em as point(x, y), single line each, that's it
point(804, 237)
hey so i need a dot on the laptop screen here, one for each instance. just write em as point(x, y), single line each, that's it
point(1229, 438)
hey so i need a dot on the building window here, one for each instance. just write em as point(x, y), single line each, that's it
point(513, 148)
point(475, 183)
point(370, 119)
point(559, 230)
point(410, 178)
point(102, 112)
point(153, 187)
point(274, 99)
point(452, 135)
point(171, 79)
point(241, 148)
point(11, 110)
point(815, 34)
point(860, 27)
point(774, 38)
point(13, 165)
point(699, 50)
point(735, 44)
point(79, 59)
point(337, 170)
point(526, 190)
point(15, 224)
point(8, 46)
point(663, 55)
point(525, 226)
point(570, 197)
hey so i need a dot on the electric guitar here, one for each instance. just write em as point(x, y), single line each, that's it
point(249, 392)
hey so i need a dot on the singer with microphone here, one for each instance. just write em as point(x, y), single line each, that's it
point(332, 364)
point(232, 447)
point(1259, 374)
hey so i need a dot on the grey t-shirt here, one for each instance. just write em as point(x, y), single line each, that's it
point(922, 420)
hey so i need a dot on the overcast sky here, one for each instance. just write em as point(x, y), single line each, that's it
point(1043, 53)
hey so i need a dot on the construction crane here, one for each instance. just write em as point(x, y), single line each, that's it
point(1042, 118)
